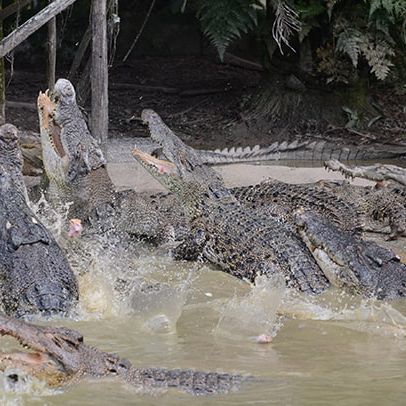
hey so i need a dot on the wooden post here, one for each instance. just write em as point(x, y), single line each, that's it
point(2, 79)
point(99, 80)
point(51, 53)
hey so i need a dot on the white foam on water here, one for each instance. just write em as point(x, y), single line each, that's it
point(364, 315)
point(16, 386)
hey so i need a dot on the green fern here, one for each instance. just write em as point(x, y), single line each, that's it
point(376, 51)
point(223, 21)
point(349, 42)
point(394, 8)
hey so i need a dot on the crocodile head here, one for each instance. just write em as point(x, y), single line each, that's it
point(11, 159)
point(180, 170)
point(56, 355)
point(69, 150)
point(166, 172)
point(348, 261)
point(35, 275)
point(9, 141)
point(55, 158)
point(188, 163)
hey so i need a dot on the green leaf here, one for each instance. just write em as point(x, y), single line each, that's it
point(223, 21)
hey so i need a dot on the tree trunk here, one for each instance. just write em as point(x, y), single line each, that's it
point(99, 80)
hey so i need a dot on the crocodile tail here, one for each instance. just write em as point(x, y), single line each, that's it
point(195, 382)
point(303, 150)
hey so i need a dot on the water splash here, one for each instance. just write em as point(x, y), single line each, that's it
point(53, 217)
point(364, 315)
point(15, 385)
point(255, 314)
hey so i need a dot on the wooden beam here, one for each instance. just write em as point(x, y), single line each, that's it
point(51, 71)
point(13, 8)
point(33, 24)
point(99, 76)
point(2, 79)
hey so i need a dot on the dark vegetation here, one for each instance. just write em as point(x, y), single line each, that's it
point(238, 72)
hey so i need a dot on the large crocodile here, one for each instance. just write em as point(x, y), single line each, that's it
point(35, 275)
point(232, 236)
point(60, 357)
point(241, 242)
point(74, 164)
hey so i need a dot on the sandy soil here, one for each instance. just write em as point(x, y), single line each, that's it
point(126, 173)
point(132, 176)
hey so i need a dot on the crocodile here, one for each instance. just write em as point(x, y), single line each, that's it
point(60, 357)
point(386, 201)
point(349, 262)
point(75, 165)
point(377, 172)
point(305, 150)
point(240, 242)
point(35, 274)
point(318, 150)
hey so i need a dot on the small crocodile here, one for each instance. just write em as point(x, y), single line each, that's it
point(60, 357)
point(35, 275)
point(377, 172)
point(386, 201)
point(350, 262)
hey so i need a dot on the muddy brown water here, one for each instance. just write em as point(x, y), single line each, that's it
point(329, 350)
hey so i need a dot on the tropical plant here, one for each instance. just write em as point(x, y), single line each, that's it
point(364, 31)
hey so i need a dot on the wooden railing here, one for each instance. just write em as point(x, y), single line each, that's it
point(99, 82)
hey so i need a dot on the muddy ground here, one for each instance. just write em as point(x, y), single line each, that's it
point(209, 105)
